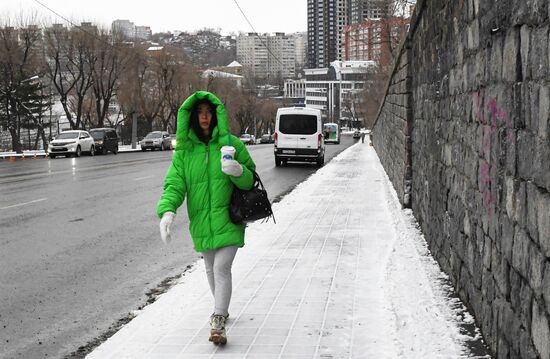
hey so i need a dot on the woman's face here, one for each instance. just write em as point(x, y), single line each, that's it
point(205, 117)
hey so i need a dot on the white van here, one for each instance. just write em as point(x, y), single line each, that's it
point(299, 135)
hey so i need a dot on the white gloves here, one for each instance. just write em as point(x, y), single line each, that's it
point(165, 223)
point(232, 168)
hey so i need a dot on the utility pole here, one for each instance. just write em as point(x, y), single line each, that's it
point(134, 130)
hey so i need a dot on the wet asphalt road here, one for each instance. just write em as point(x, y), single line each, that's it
point(79, 243)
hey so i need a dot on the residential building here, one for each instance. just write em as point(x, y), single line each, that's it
point(362, 10)
point(143, 33)
point(129, 30)
point(268, 56)
point(374, 39)
point(335, 90)
point(326, 21)
point(125, 27)
point(300, 50)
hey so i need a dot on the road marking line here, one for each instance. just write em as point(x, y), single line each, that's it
point(142, 178)
point(23, 204)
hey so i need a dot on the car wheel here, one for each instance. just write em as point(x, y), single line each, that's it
point(320, 161)
point(144, 149)
point(78, 151)
point(115, 151)
point(52, 156)
point(92, 151)
point(277, 162)
point(162, 146)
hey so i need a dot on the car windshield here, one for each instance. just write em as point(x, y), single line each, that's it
point(245, 136)
point(266, 136)
point(67, 135)
point(298, 124)
point(97, 135)
point(154, 135)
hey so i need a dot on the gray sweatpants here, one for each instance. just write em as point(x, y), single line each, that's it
point(218, 270)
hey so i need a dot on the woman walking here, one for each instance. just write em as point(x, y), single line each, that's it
point(198, 172)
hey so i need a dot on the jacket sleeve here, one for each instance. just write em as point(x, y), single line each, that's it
point(174, 186)
point(246, 180)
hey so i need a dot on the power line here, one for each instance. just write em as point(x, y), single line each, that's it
point(256, 33)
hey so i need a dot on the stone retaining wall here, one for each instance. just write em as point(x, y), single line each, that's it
point(468, 108)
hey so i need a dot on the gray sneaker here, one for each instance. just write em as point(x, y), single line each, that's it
point(217, 329)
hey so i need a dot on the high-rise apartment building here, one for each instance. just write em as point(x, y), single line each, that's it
point(325, 23)
point(362, 10)
point(267, 56)
point(300, 49)
point(129, 30)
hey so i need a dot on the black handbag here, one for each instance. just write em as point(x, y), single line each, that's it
point(249, 206)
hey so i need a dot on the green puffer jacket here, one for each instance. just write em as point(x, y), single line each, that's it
point(196, 172)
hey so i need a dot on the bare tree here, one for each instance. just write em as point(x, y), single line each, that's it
point(20, 64)
point(110, 59)
point(70, 65)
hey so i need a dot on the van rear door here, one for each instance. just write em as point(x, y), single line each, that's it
point(298, 130)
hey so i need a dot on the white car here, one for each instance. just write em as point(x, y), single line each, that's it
point(248, 139)
point(70, 143)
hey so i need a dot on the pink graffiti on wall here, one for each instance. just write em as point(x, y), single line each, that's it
point(489, 114)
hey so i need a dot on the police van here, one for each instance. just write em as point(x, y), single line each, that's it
point(299, 136)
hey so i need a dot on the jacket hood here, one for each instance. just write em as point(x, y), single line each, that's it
point(185, 137)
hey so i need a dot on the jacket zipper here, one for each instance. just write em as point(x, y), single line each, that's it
point(209, 192)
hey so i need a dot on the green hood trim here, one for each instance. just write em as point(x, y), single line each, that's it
point(185, 136)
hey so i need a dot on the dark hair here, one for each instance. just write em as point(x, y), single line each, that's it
point(194, 123)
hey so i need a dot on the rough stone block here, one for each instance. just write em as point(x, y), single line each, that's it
point(543, 222)
point(526, 347)
point(520, 253)
point(533, 195)
point(510, 324)
point(526, 153)
point(506, 241)
point(544, 112)
point(515, 289)
point(525, 48)
point(546, 286)
point(521, 204)
point(536, 269)
point(538, 59)
point(501, 273)
point(541, 163)
point(511, 153)
point(510, 196)
point(540, 330)
point(510, 56)
point(487, 251)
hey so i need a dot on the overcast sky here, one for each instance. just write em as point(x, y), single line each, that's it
point(168, 15)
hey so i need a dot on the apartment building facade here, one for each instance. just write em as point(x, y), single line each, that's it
point(268, 56)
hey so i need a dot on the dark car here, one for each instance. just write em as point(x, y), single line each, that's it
point(267, 139)
point(105, 139)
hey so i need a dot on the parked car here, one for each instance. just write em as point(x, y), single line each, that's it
point(173, 142)
point(156, 140)
point(70, 143)
point(299, 136)
point(266, 139)
point(357, 134)
point(105, 140)
point(248, 139)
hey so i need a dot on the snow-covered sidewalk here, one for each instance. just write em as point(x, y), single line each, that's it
point(344, 273)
